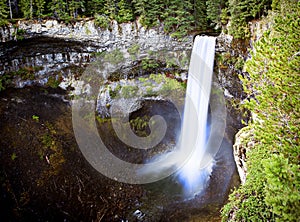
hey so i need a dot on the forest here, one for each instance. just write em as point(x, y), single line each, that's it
point(178, 17)
point(271, 191)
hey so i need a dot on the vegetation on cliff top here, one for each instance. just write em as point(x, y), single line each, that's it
point(178, 17)
point(272, 188)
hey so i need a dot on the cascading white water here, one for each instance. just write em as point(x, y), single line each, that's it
point(196, 170)
point(192, 159)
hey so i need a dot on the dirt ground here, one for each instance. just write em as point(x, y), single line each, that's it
point(43, 173)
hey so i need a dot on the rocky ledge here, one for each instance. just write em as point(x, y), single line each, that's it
point(118, 35)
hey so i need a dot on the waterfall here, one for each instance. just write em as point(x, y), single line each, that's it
point(192, 160)
point(196, 170)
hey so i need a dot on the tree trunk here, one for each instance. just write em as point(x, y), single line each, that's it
point(10, 11)
point(31, 9)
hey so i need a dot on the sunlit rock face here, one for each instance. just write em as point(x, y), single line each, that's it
point(116, 36)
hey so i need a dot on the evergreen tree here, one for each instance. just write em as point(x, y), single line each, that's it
point(272, 189)
point(140, 7)
point(59, 8)
point(74, 6)
point(110, 9)
point(149, 11)
point(242, 12)
point(3, 12)
point(125, 12)
point(26, 8)
point(200, 16)
point(40, 4)
point(96, 7)
point(178, 17)
point(214, 8)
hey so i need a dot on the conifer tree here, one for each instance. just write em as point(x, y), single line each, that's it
point(200, 16)
point(214, 8)
point(149, 11)
point(3, 12)
point(125, 12)
point(110, 9)
point(178, 17)
point(74, 6)
point(139, 7)
point(40, 4)
point(243, 11)
point(26, 8)
point(58, 7)
point(96, 7)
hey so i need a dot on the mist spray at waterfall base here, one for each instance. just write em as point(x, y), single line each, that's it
point(195, 170)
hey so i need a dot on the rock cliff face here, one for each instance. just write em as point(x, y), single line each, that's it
point(56, 47)
point(85, 30)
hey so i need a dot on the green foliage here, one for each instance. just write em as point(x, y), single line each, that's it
point(114, 93)
point(19, 34)
point(125, 13)
point(134, 51)
point(178, 19)
point(129, 91)
point(96, 7)
point(3, 12)
point(140, 125)
point(214, 9)
point(40, 4)
point(149, 64)
point(110, 9)
point(114, 57)
point(283, 179)
point(74, 6)
point(2, 84)
point(157, 78)
point(153, 85)
point(5, 80)
point(168, 85)
point(26, 8)
point(149, 12)
point(13, 156)
point(272, 188)
point(35, 118)
point(59, 9)
point(54, 81)
point(150, 92)
point(101, 21)
point(200, 14)
point(226, 59)
point(242, 12)
point(26, 73)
